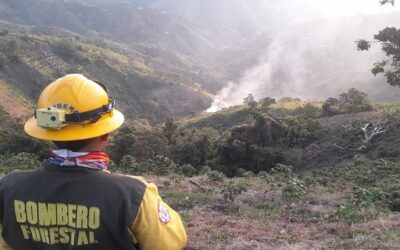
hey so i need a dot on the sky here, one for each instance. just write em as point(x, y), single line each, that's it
point(335, 8)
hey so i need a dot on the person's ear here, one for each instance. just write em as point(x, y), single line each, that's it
point(104, 137)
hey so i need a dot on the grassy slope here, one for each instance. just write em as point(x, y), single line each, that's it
point(329, 211)
point(221, 120)
point(353, 204)
point(237, 115)
point(29, 61)
point(340, 199)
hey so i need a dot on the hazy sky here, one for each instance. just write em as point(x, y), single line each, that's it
point(305, 10)
point(348, 7)
point(322, 67)
point(327, 8)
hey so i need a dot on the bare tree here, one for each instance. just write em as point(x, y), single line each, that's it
point(368, 135)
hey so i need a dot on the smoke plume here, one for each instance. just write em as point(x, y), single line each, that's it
point(312, 60)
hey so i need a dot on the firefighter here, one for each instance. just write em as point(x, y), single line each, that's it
point(72, 201)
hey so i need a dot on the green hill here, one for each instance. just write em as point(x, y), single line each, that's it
point(120, 21)
point(32, 58)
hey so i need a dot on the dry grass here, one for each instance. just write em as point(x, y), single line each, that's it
point(307, 224)
point(12, 105)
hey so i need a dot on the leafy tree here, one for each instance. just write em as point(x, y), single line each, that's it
point(390, 42)
point(142, 143)
point(162, 165)
point(301, 131)
point(251, 147)
point(188, 170)
point(331, 106)
point(128, 163)
point(122, 144)
point(249, 100)
point(170, 131)
point(192, 147)
point(266, 102)
point(308, 110)
point(354, 101)
point(349, 102)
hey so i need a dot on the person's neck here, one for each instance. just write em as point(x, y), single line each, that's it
point(95, 146)
point(90, 149)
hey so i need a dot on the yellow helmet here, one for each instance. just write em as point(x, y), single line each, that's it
point(73, 108)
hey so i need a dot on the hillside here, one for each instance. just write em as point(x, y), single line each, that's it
point(118, 21)
point(30, 59)
point(289, 186)
point(201, 42)
point(316, 168)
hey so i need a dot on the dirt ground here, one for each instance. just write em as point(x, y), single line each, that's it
point(13, 107)
point(306, 225)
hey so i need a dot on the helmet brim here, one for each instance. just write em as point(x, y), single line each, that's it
point(73, 132)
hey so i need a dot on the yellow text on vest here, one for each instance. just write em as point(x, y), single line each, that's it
point(57, 223)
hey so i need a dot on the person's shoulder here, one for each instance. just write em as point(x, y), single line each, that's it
point(128, 179)
point(19, 174)
point(16, 175)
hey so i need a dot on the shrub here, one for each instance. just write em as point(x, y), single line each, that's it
point(352, 101)
point(393, 116)
point(142, 143)
point(192, 147)
point(15, 141)
point(266, 102)
point(129, 164)
point(394, 201)
point(66, 50)
point(368, 198)
point(301, 131)
point(188, 170)
point(331, 106)
point(232, 189)
point(249, 101)
point(308, 111)
point(268, 178)
point(21, 161)
point(293, 190)
point(162, 165)
point(204, 170)
point(274, 206)
point(240, 172)
point(215, 176)
point(349, 214)
point(282, 172)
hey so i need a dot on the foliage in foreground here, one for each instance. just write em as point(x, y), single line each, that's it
point(344, 198)
point(334, 206)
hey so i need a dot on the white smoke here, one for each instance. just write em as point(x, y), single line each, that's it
point(252, 81)
point(261, 80)
point(312, 60)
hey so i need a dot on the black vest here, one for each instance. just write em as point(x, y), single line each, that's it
point(59, 208)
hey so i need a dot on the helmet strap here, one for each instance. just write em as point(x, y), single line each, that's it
point(92, 115)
